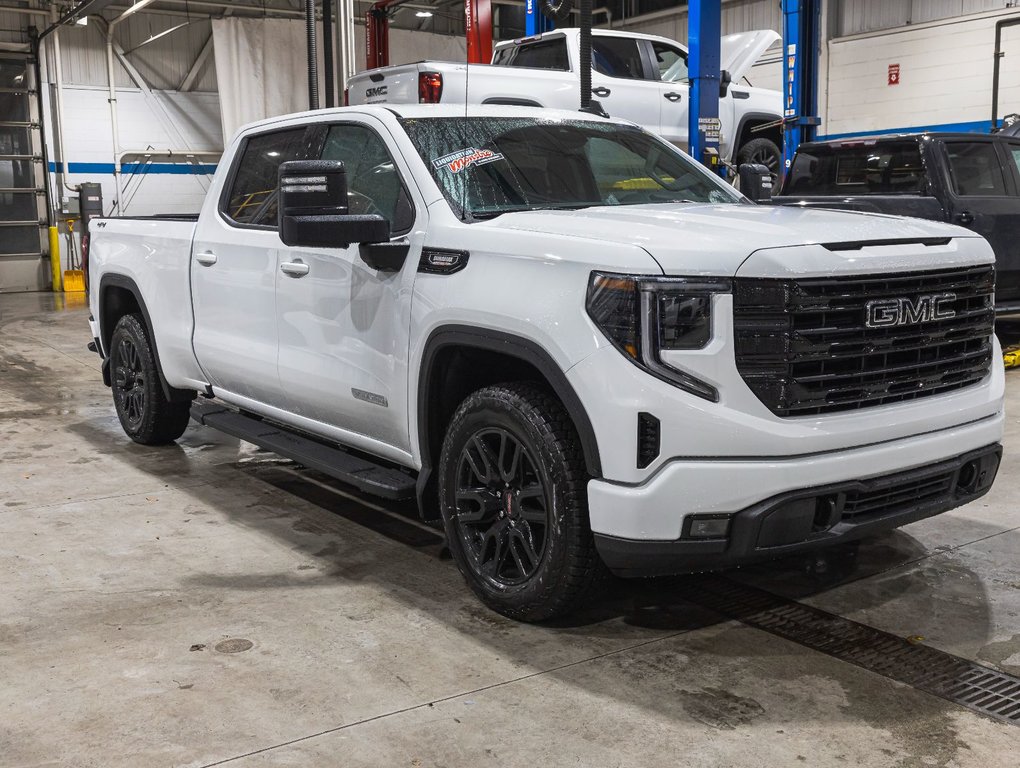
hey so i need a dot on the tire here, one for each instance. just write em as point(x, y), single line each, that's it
point(763, 151)
point(144, 411)
point(513, 496)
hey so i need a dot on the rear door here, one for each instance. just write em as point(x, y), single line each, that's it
point(984, 197)
point(234, 271)
point(621, 80)
point(343, 326)
point(670, 67)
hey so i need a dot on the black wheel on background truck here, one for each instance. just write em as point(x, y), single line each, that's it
point(763, 152)
point(144, 411)
point(512, 484)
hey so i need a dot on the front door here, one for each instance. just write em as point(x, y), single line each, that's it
point(984, 197)
point(674, 91)
point(343, 326)
point(234, 272)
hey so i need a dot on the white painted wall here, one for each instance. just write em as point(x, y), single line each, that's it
point(945, 77)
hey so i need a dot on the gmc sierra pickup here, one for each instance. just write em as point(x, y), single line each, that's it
point(641, 78)
point(576, 346)
point(969, 179)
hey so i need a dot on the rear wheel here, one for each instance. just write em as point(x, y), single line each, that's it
point(514, 502)
point(145, 413)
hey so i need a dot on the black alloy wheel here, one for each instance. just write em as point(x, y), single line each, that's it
point(129, 383)
point(514, 500)
point(502, 513)
point(762, 151)
point(145, 412)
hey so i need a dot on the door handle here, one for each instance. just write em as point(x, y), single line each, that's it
point(965, 217)
point(601, 91)
point(673, 96)
point(205, 258)
point(294, 268)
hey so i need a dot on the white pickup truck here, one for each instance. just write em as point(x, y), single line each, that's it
point(641, 78)
point(575, 345)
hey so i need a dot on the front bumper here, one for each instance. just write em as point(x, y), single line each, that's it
point(640, 530)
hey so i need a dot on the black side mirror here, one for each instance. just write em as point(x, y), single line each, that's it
point(755, 182)
point(724, 83)
point(313, 208)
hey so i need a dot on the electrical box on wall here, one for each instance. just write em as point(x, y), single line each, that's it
point(69, 206)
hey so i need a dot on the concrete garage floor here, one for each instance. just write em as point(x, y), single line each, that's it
point(132, 580)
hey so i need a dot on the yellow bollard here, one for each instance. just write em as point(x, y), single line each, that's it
point(55, 258)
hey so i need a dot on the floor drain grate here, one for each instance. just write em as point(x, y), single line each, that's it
point(964, 682)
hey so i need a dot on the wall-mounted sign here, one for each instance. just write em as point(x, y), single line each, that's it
point(894, 74)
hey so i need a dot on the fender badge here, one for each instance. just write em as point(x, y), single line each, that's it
point(440, 261)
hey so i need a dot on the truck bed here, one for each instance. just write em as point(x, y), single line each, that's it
point(150, 256)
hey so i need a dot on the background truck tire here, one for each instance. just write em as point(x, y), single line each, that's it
point(763, 151)
point(144, 412)
point(512, 489)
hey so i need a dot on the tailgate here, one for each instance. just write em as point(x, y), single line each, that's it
point(386, 85)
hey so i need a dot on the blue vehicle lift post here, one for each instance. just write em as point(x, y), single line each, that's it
point(704, 30)
point(536, 22)
point(801, 43)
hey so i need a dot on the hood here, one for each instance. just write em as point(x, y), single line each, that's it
point(739, 52)
point(704, 239)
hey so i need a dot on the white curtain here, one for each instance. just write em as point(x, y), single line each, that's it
point(261, 69)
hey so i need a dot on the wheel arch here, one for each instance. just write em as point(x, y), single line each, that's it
point(119, 296)
point(447, 367)
point(751, 120)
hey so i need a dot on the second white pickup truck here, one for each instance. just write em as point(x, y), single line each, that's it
point(636, 77)
point(574, 344)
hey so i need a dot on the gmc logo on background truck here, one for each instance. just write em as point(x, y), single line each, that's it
point(373, 92)
point(884, 313)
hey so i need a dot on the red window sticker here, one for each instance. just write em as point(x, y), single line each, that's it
point(456, 162)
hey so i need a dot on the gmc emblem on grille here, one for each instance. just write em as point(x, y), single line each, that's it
point(885, 313)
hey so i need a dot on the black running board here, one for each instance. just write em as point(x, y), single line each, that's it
point(379, 480)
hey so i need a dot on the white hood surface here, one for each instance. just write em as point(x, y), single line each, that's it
point(706, 239)
point(739, 52)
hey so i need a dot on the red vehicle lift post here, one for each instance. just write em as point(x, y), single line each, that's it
point(477, 23)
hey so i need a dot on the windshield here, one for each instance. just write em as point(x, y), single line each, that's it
point(489, 166)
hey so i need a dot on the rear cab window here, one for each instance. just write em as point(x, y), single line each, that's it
point(865, 168)
point(541, 54)
point(975, 169)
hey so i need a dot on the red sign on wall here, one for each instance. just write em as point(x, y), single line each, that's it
point(894, 74)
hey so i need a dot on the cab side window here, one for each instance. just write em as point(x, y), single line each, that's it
point(373, 182)
point(252, 197)
point(976, 169)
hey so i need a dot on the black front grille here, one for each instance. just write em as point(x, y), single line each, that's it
point(803, 346)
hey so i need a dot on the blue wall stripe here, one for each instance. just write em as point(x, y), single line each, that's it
point(977, 126)
point(141, 168)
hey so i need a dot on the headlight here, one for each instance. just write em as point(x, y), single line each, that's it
point(643, 315)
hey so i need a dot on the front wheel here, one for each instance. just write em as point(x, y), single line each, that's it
point(513, 494)
point(145, 413)
point(762, 151)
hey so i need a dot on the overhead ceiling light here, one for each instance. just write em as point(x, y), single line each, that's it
point(424, 14)
point(82, 21)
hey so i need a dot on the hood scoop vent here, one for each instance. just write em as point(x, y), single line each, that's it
point(856, 245)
